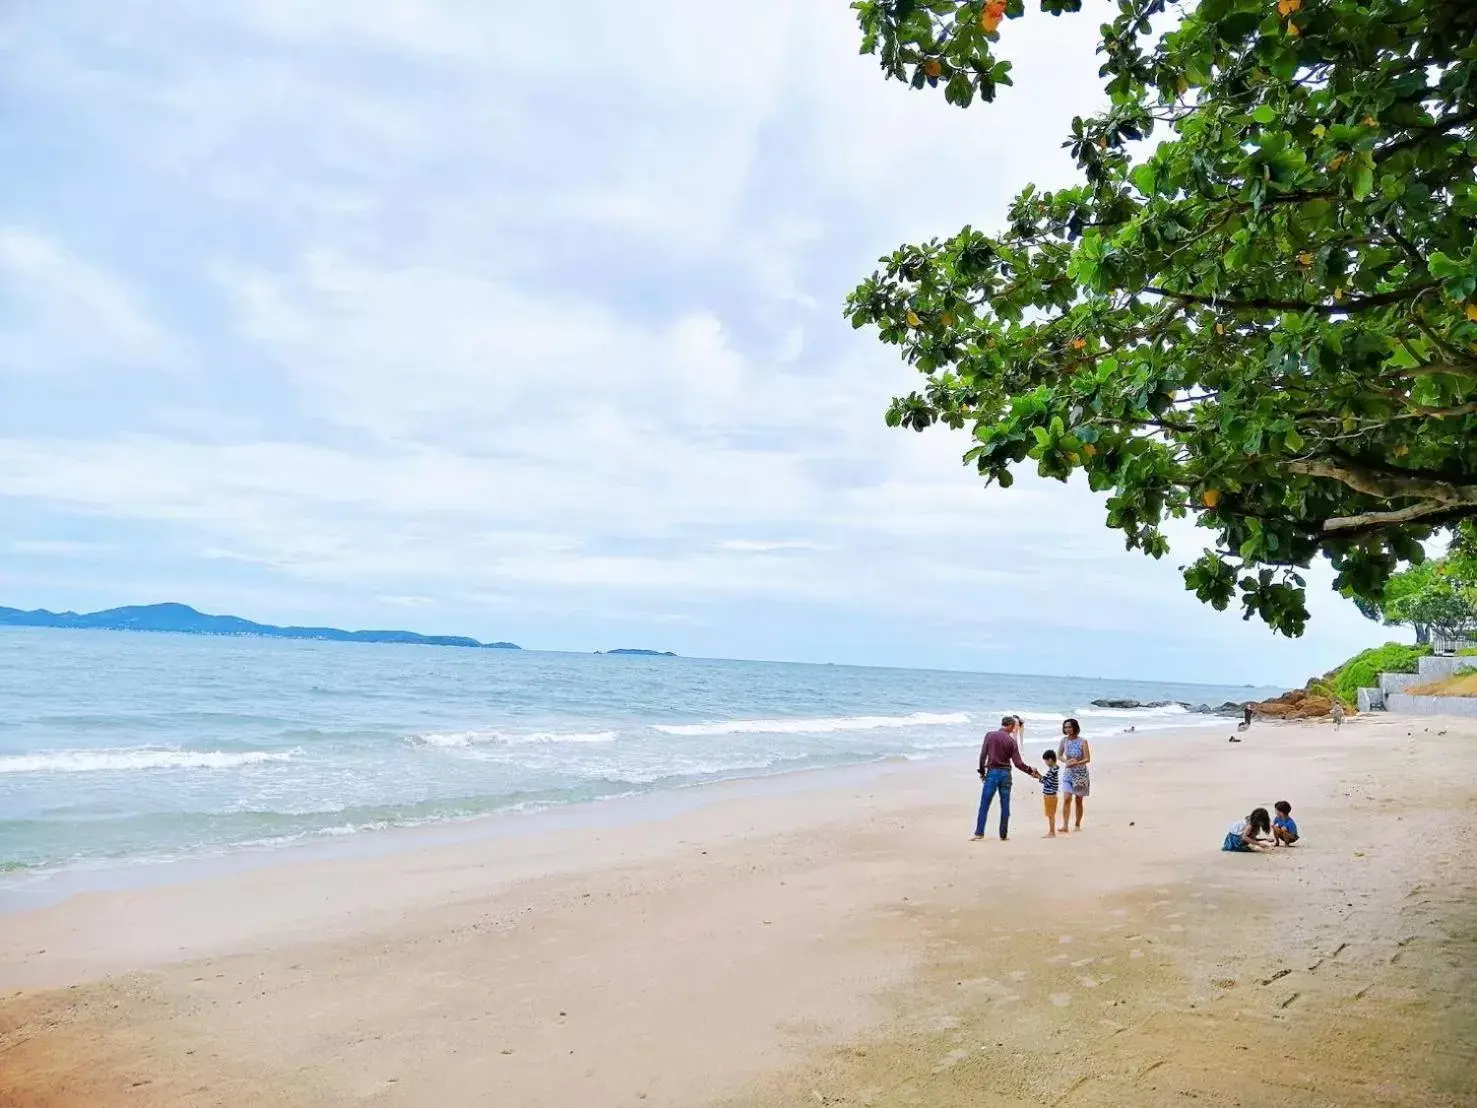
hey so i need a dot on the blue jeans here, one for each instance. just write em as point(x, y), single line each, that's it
point(996, 781)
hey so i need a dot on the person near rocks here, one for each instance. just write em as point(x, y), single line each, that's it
point(1000, 751)
point(1246, 713)
point(1074, 755)
point(1337, 712)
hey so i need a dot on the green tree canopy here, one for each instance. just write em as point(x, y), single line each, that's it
point(1438, 597)
point(1258, 305)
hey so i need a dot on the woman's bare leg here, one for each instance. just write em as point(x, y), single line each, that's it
point(1078, 825)
point(1066, 812)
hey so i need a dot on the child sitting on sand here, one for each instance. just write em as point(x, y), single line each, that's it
point(1050, 788)
point(1245, 834)
point(1284, 829)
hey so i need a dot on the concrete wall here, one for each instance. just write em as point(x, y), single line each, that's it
point(1371, 700)
point(1398, 682)
point(1406, 705)
point(1434, 669)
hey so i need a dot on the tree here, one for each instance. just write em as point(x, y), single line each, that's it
point(1447, 611)
point(1400, 588)
point(1438, 597)
point(1268, 321)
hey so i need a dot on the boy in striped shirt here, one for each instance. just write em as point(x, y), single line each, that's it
point(1050, 784)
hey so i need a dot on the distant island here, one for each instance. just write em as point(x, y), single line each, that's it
point(640, 653)
point(183, 619)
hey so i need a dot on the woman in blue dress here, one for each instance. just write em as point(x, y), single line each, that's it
point(1073, 755)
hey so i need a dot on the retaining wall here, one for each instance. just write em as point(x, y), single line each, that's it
point(1407, 705)
point(1398, 682)
point(1434, 669)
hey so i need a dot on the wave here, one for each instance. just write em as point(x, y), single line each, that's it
point(453, 739)
point(811, 726)
point(137, 758)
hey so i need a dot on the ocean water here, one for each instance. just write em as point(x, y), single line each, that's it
point(117, 748)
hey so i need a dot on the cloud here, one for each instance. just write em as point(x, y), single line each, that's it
point(541, 326)
point(59, 314)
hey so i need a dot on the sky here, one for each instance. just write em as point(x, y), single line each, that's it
point(524, 321)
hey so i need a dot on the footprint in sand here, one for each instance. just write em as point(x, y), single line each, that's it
point(1176, 928)
point(1019, 975)
point(1135, 953)
point(1088, 982)
point(1066, 939)
point(1061, 1000)
point(950, 1060)
point(1080, 962)
point(1056, 960)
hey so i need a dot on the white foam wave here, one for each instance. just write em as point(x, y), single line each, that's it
point(811, 726)
point(142, 758)
point(454, 739)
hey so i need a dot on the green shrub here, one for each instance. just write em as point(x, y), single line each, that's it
point(1363, 670)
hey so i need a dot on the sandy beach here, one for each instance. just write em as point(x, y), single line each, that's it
point(834, 940)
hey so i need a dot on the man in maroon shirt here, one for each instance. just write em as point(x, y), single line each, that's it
point(999, 752)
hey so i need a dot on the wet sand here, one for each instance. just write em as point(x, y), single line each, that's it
point(838, 941)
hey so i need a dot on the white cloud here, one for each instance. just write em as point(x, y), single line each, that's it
point(536, 315)
point(59, 314)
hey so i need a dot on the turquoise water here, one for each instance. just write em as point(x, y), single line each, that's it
point(118, 747)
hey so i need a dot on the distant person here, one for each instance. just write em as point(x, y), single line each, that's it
point(1246, 834)
point(1247, 710)
point(1337, 712)
point(1074, 755)
point(1000, 751)
point(1284, 827)
point(1050, 787)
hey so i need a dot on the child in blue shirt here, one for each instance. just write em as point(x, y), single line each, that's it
point(1284, 829)
point(1050, 790)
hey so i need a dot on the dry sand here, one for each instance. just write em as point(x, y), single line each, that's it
point(836, 941)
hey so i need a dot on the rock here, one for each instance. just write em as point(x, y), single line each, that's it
point(1230, 709)
point(1296, 704)
point(1126, 704)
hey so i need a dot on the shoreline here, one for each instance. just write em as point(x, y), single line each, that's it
point(837, 937)
point(25, 889)
point(515, 846)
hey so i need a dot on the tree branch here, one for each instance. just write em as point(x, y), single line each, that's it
point(1421, 411)
point(1379, 300)
point(1374, 521)
point(1451, 123)
point(1439, 369)
point(1438, 495)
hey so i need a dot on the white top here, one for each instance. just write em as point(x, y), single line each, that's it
point(1238, 829)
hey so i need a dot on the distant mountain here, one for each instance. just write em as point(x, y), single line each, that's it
point(640, 653)
point(185, 620)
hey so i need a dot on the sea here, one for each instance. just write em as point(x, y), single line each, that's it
point(121, 749)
